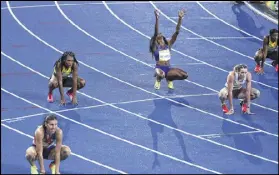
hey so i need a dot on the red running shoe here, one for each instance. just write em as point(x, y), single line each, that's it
point(225, 109)
point(70, 95)
point(257, 68)
point(50, 98)
point(244, 108)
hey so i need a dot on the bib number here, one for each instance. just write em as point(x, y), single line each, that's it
point(164, 55)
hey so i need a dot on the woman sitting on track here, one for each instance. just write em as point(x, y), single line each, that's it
point(63, 68)
point(47, 144)
point(236, 78)
point(160, 48)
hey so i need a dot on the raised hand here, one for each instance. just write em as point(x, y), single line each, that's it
point(156, 12)
point(181, 13)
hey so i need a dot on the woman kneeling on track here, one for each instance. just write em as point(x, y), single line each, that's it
point(233, 89)
point(47, 144)
point(66, 66)
point(160, 48)
point(269, 50)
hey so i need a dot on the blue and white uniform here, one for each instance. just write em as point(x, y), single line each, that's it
point(162, 53)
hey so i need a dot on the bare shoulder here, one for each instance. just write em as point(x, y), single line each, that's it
point(59, 131)
point(58, 65)
point(75, 66)
point(249, 76)
point(231, 75)
point(265, 40)
point(39, 132)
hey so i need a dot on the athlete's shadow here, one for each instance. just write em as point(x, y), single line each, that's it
point(162, 114)
point(14, 168)
point(246, 22)
point(273, 80)
point(65, 124)
point(248, 142)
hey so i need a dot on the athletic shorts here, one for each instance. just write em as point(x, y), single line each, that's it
point(67, 81)
point(271, 55)
point(46, 151)
point(165, 69)
point(235, 92)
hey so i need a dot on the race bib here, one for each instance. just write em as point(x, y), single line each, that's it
point(164, 55)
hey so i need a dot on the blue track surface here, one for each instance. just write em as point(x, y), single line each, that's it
point(140, 132)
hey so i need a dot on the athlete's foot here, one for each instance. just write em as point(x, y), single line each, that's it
point(34, 169)
point(244, 107)
point(257, 68)
point(170, 85)
point(70, 94)
point(225, 108)
point(157, 84)
point(52, 167)
point(50, 98)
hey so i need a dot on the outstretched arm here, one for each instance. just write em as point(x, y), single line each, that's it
point(265, 44)
point(156, 32)
point(248, 89)
point(248, 93)
point(39, 149)
point(174, 36)
point(59, 136)
point(230, 88)
point(60, 83)
point(156, 23)
point(75, 76)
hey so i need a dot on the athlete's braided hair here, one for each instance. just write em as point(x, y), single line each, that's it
point(63, 58)
point(272, 31)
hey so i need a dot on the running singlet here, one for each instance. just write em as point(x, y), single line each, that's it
point(236, 83)
point(48, 141)
point(272, 46)
point(65, 72)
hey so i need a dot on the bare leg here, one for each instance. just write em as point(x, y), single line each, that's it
point(253, 94)
point(31, 155)
point(223, 95)
point(159, 74)
point(53, 84)
point(176, 74)
point(64, 153)
point(258, 57)
point(80, 84)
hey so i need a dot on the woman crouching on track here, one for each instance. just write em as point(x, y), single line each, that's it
point(65, 74)
point(160, 48)
point(234, 88)
point(47, 144)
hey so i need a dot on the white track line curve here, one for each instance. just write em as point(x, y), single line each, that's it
point(72, 153)
point(209, 12)
point(154, 94)
point(111, 135)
